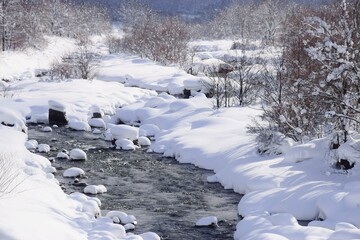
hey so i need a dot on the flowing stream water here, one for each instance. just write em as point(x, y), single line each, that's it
point(166, 197)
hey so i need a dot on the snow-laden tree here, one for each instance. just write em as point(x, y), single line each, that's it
point(334, 44)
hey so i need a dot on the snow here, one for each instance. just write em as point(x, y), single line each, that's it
point(144, 141)
point(97, 123)
point(148, 130)
point(58, 106)
point(146, 74)
point(124, 132)
point(43, 148)
point(207, 221)
point(125, 144)
point(77, 154)
point(122, 216)
point(95, 189)
point(79, 126)
point(47, 129)
point(300, 184)
point(31, 144)
point(73, 172)
point(62, 155)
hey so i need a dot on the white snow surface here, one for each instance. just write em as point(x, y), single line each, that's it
point(300, 184)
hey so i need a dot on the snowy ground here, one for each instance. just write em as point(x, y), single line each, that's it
point(279, 190)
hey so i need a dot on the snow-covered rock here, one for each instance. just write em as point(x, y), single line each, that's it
point(125, 144)
point(47, 129)
point(150, 236)
point(95, 189)
point(77, 154)
point(207, 221)
point(62, 155)
point(79, 125)
point(350, 150)
point(43, 148)
point(97, 122)
point(31, 144)
point(124, 132)
point(129, 227)
point(123, 217)
point(144, 141)
point(56, 105)
point(73, 172)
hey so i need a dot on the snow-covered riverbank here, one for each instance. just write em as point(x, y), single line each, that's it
point(279, 189)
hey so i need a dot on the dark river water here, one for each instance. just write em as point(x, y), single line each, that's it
point(166, 197)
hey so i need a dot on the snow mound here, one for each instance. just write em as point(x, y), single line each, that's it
point(125, 144)
point(315, 149)
point(47, 129)
point(79, 125)
point(350, 150)
point(207, 221)
point(73, 172)
point(123, 217)
point(56, 105)
point(43, 148)
point(97, 122)
point(31, 144)
point(13, 119)
point(95, 189)
point(144, 141)
point(62, 155)
point(124, 132)
point(148, 130)
point(77, 154)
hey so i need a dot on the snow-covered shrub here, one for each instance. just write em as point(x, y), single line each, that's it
point(270, 142)
point(80, 64)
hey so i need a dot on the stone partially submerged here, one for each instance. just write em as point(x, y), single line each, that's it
point(57, 113)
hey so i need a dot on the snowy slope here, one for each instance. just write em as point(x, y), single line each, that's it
point(279, 190)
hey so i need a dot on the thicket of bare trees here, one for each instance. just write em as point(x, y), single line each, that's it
point(23, 23)
point(162, 39)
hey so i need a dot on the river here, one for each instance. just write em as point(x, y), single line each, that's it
point(165, 196)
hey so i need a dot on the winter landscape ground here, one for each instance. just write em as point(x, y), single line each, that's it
point(287, 181)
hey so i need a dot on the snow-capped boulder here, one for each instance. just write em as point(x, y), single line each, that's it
point(97, 122)
point(73, 172)
point(144, 141)
point(79, 126)
point(349, 153)
point(57, 113)
point(96, 111)
point(129, 227)
point(47, 129)
point(207, 221)
point(125, 144)
point(150, 236)
point(43, 148)
point(123, 217)
point(124, 132)
point(95, 189)
point(77, 154)
point(31, 144)
point(62, 155)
